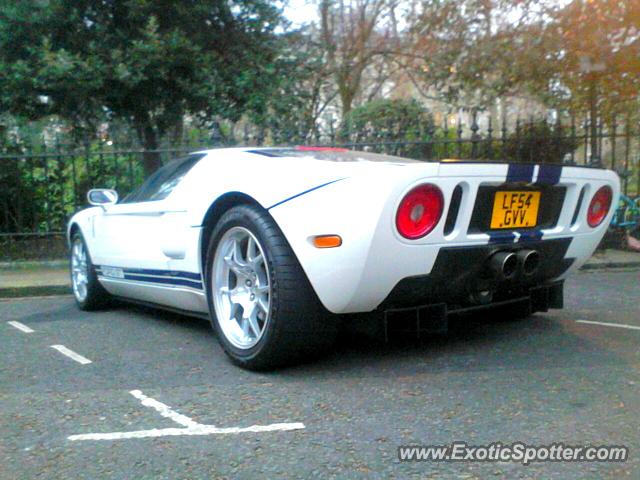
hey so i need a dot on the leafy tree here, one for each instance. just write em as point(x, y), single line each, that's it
point(147, 62)
point(392, 122)
point(567, 54)
point(597, 43)
point(470, 52)
point(358, 38)
point(594, 49)
point(301, 93)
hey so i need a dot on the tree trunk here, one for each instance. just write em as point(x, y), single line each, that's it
point(150, 158)
point(346, 100)
point(177, 132)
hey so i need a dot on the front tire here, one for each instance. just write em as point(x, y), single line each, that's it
point(261, 304)
point(87, 291)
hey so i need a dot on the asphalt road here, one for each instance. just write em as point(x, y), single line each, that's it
point(540, 380)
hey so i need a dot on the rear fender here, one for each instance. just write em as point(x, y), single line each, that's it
point(350, 208)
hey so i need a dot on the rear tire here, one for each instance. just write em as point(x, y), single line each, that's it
point(261, 304)
point(87, 291)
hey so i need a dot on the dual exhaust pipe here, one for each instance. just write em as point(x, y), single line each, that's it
point(508, 265)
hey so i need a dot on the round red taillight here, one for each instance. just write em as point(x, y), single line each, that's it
point(419, 211)
point(599, 206)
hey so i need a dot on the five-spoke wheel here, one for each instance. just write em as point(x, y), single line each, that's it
point(240, 287)
point(261, 304)
point(87, 291)
point(79, 269)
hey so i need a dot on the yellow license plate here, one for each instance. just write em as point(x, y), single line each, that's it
point(515, 209)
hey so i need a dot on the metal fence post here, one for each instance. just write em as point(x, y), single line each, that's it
point(459, 137)
point(490, 139)
point(445, 131)
point(627, 145)
point(474, 134)
point(503, 136)
point(573, 139)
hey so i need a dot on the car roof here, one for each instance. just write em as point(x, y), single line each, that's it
point(333, 154)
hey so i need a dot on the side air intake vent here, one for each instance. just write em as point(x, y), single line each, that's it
point(454, 208)
point(578, 206)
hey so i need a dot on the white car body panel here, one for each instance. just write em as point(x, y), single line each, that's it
point(306, 197)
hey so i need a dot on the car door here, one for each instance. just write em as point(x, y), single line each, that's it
point(131, 237)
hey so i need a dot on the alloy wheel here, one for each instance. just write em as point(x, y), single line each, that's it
point(241, 288)
point(79, 270)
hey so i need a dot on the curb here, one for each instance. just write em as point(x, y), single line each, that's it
point(607, 265)
point(39, 291)
point(34, 264)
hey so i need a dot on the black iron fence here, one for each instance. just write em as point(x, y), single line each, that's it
point(40, 190)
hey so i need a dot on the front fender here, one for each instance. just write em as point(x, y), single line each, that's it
point(84, 221)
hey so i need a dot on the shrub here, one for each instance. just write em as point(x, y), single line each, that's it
point(539, 142)
point(390, 123)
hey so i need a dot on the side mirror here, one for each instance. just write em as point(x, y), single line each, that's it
point(102, 197)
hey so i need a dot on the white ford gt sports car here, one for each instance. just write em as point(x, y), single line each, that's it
point(272, 243)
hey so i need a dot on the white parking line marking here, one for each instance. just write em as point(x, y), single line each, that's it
point(616, 325)
point(191, 426)
point(71, 354)
point(200, 430)
point(20, 326)
point(164, 410)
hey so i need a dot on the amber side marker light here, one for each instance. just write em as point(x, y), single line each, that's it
point(327, 241)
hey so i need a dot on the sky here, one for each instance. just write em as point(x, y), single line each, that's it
point(300, 11)
point(303, 11)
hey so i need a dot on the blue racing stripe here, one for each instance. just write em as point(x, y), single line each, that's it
point(501, 237)
point(549, 174)
point(163, 273)
point(163, 277)
point(530, 236)
point(165, 281)
point(305, 192)
point(520, 172)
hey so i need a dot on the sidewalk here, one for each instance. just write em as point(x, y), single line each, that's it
point(28, 279)
point(31, 279)
point(613, 259)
